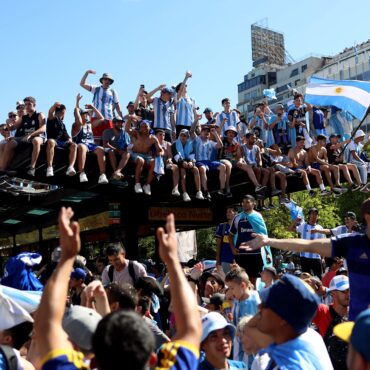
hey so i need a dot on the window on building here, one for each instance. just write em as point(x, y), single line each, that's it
point(304, 67)
point(341, 75)
point(296, 82)
point(294, 72)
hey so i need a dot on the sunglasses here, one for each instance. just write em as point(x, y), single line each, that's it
point(12, 115)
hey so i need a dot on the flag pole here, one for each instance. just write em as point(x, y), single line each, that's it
point(357, 128)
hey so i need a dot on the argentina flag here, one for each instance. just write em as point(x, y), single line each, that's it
point(349, 95)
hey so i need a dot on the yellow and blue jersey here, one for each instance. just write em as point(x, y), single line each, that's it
point(63, 359)
point(178, 355)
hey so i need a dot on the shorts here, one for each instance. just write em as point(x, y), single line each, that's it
point(147, 157)
point(251, 263)
point(91, 147)
point(210, 165)
point(315, 165)
point(63, 143)
point(299, 168)
point(19, 140)
point(98, 130)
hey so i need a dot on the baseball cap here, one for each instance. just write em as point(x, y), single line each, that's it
point(293, 300)
point(350, 214)
point(339, 282)
point(357, 333)
point(313, 209)
point(335, 135)
point(184, 131)
point(208, 110)
point(78, 273)
point(18, 103)
point(270, 269)
point(80, 323)
point(118, 119)
point(130, 103)
point(215, 321)
point(217, 299)
point(167, 90)
point(358, 134)
point(205, 127)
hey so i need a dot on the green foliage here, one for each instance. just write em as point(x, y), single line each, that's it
point(206, 243)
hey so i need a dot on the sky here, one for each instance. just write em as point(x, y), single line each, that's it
point(47, 45)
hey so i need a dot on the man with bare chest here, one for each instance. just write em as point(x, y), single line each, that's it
point(300, 163)
point(141, 152)
point(318, 159)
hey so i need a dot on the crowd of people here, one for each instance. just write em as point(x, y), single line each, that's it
point(247, 309)
point(166, 133)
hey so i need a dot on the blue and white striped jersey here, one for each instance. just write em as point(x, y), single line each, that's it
point(304, 229)
point(339, 230)
point(232, 120)
point(104, 100)
point(204, 149)
point(250, 155)
point(185, 111)
point(162, 114)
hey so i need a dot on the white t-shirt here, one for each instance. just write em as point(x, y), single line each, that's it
point(123, 276)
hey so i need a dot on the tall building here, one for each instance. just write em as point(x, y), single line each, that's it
point(267, 46)
point(271, 70)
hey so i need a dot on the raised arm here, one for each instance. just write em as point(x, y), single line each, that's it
point(151, 93)
point(217, 137)
point(52, 110)
point(78, 119)
point(320, 246)
point(98, 115)
point(136, 103)
point(188, 325)
point(84, 78)
point(181, 92)
point(48, 321)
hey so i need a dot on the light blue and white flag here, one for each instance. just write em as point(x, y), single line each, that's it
point(270, 93)
point(294, 210)
point(349, 95)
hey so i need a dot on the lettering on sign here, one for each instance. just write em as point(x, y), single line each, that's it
point(181, 214)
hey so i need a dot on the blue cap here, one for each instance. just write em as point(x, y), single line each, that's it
point(78, 273)
point(215, 321)
point(167, 90)
point(357, 333)
point(293, 300)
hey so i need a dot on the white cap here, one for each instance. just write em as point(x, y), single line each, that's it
point(340, 282)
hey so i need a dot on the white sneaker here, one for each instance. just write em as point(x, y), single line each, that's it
point(103, 179)
point(138, 188)
point(146, 189)
point(83, 177)
point(49, 172)
point(175, 192)
point(199, 195)
point(185, 197)
point(70, 171)
point(31, 172)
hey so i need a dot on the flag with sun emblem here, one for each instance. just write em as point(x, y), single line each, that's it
point(349, 95)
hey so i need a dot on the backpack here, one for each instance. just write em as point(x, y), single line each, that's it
point(9, 358)
point(131, 271)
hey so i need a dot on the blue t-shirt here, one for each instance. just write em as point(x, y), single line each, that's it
point(222, 232)
point(355, 248)
point(243, 230)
